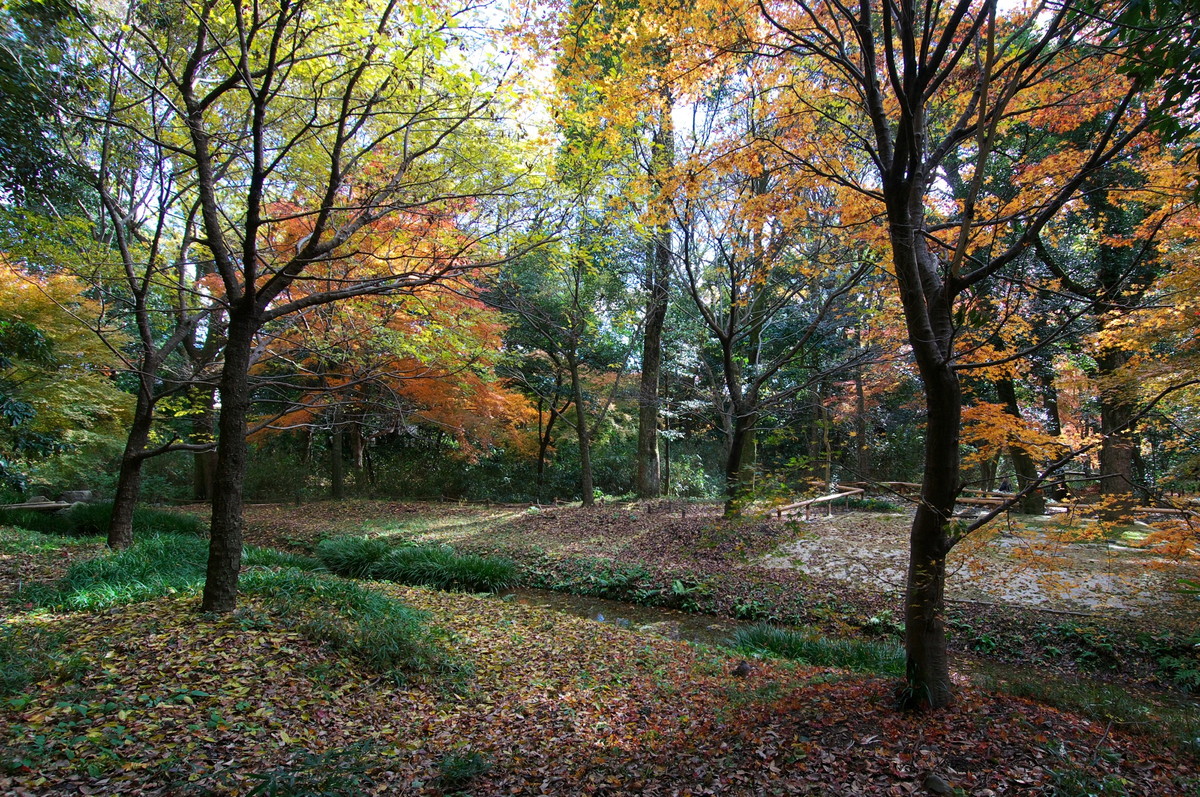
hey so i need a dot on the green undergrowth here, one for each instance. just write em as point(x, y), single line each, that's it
point(807, 647)
point(1170, 657)
point(873, 505)
point(153, 566)
point(87, 520)
point(1177, 724)
point(602, 577)
point(342, 771)
point(16, 541)
point(416, 565)
point(367, 625)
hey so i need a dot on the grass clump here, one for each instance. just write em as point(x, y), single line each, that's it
point(149, 568)
point(805, 646)
point(92, 519)
point(458, 769)
point(43, 522)
point(427, 566)
point(18, 540)
point(377, 630)
point(253, 556)
point(353, 557)
point(369, 626)
point(152, 567)
point(864, 504)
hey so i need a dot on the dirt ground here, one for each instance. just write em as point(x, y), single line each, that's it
point(1031, 563)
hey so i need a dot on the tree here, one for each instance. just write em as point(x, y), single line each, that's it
point(566, 308)
point(57, 399)
point(767, 269)
point(383, 364)
point(1105, 253)
point(39, 77)
point(1163, 37)
point(909, 86)
point(616, 71)
point(109, 207)
point(1160, 336)
point(350, 113)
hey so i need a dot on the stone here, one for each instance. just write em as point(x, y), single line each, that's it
point(77, 496)
point(936, 784)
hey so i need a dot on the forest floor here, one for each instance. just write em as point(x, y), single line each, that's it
point(1012, 588)
point(154, 698)
point(1051, 563)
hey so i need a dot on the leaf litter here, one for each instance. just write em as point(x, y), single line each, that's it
point(157, 699)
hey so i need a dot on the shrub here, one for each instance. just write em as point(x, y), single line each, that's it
point(608, 578)
point(90, 520)
point(45, 522)
point(807, 647)
point(866, 504)
point(690, 480)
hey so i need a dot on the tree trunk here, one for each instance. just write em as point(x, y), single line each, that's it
point(544, 440)
point(862, 460)
point(587, 489)
point(204, 463)
point(826, 445)
point(337, 467)
point(736, 486)
point(666, 471)
point(129, 478)
point(225, 545)
point(125, 499)
point(648, 477)
point(358, 447)
point(928, 314)
point(987, 472)
point(748, 470)
point(927, 667)
point(1027, 470)
point(658, 276)
point(1058, 490)
point(1117, 477)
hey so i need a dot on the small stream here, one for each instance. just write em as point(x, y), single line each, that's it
point(666, 623)
point(712, 630)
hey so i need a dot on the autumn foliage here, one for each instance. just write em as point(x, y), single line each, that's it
point(424, 357)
